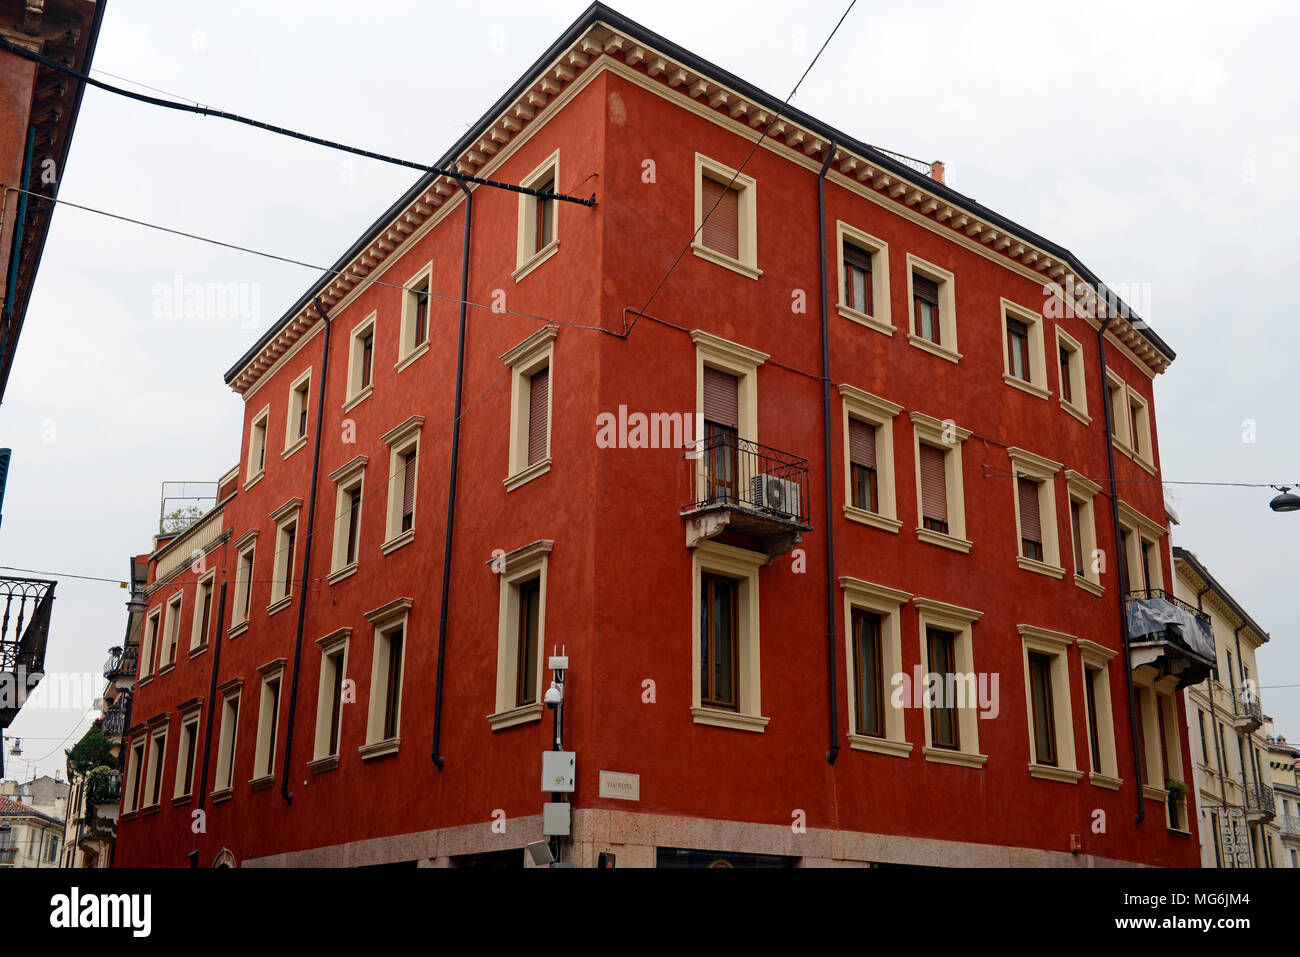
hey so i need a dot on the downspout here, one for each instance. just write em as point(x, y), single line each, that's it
point(1123, 577)
point(833, 751)
point(438, 759)
point(212, 707)
point(15, 250)
point(306, 558)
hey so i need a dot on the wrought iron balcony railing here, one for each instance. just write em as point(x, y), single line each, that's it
point(105, 789)
point(1247, 708)
point(7, 855)
point(1161, 594)
point(123, 663)
point(116, 718)
point(1170, 635)
point(1259, 798)
point(734, 472)
point(1291, 825)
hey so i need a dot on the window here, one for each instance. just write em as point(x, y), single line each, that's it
point(225, 773)
point(931, 308)
point(863, 279)
point(1035, 508)
point(538, 218)
point(286, 553)
point(1083, 532)
point(268, 719)
point(295, 426)
point(1022, 348)
point(150, 645)
point(403, 460)
point(154, 771)
point(361, 362)
point(872, 615)
point(131, 792)
point(1070, 376)
point(521, 635)
point(952, 713)
point(1047, 698)
point(725, 642)
point(187, 753)
point(202, 622)
point(245, 548)
point(940, 500)
point(869, 456)
point(330, 699)
point(725, 217)
point(532, 366)
point(256, 467)
point(1205, 751)
point(349, 480)
point(172, 630)
point(721, 451)
point(415, 317)
point(1140, 430)
point(1140, 549)
point(1171, 756)
point(1119, 412)
point(383, 725)
point(1041, 707)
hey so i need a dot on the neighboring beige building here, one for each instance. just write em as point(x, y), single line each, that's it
point(1234, 793)
point(1284, 769)
point(28, 837)
point(46, 794)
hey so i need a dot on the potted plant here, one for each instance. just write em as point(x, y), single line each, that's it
point(1177, 792)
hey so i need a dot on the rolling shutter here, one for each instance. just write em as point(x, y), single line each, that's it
point(862, 443)
point(926, 289)
point(721, 402)
point(721, 231)
point(1030, 523)
point(934, 485)
point(408, 483)
point(538, 392)
point(1078, 536)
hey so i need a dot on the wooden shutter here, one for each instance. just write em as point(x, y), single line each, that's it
point(858, 258)
point(721, 398)
point(1030, 521)
point(934, 485)
point(538, 393)
point(862, 443)
point(926, 289)
point(408, 481)
point(721, 231)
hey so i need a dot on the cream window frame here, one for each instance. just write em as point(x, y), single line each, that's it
point(346, 478)
point(1141, 445)
point(134, 758)
point(409, 350)
point(928, 430)
point(960, 621)
point(356, 393)
point(156, 764)
point(746, 215)
point(1093, 655)
point(190, 717)
point(1036, 360)
point(947, 283)
point(879, 414)
point(880, 319)
point(711, 557)
point(259, 430)
point(1056, 646)
point(268, 714)
point(299, 401)
point(244, 548)
point(171, 630)
point(886, 603)
point(1116, 397)
point(517, 568)
point(335, 644)
point(149, 645)
point(385, 620)
point(1083, 491)
point(528, 258)
point(1077, 404)
point(402, 440)
point(1042, 472)
point(737, 360)
point(1143, 530)
point(208, 581)
point(227, 738)
point(525, 360)
point(286, 519)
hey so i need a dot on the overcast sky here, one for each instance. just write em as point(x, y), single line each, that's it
point(1157, 143)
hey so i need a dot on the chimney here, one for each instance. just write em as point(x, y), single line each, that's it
point(936, 171)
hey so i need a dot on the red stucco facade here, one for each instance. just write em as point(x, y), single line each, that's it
point(619, 592)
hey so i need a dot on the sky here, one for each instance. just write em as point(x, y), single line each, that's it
point(1155, 142)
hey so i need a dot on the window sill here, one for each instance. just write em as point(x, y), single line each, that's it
point(182, 801)
point(863, 742)
point(280, 604)
point(855, 514)
point(1046, 772)
point(1105, 781)
point(163, 669)
point(393, 544)
point(357, 399)
point(347, 571)
point(721, 259)
point(1145, 464)
point(149, 809)
point(262, 783)
point(147, 679)
point(195, 652)
point(128, 816)
point(379, 749)
point(237, 630)
point(411, 356)
point(1153, 793)
point(947, 541)
point(1078, 413)
point(321, 765)
point(1089, 586)
point(254, 479)
point(963, 758)
point(729, 719)
point(1178, 831)
point(536, 259)
point(1024, 386)
point(1122, 446)
point(223, 794)
point(527, 475)
point(524, 714)
point(862, 319)
point(1042, 568)
point(290, 449)
point(926, 345)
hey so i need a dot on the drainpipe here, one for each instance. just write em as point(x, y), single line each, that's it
point(438, 759)
point(306, 558)
point(833, 751)
point(1123, 576)
point(212, 707)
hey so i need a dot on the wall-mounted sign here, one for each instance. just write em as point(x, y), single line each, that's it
point(620, 785)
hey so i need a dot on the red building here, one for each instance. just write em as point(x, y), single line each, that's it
point(907, 475)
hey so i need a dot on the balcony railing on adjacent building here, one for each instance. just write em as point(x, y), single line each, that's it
point(1248, 714)
point(1170, 636)
point(104, 789)
point(748, 488)
point(117, 717)
point(25, 605)
point(1259, 802)
point(1290, 824)
point(7, 855)
point(122, 663)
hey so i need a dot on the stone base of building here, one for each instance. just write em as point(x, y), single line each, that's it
point(635, 839)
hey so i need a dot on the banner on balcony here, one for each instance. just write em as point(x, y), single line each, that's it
point(1147, 616)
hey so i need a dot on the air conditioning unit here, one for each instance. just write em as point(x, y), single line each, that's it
point(778, 494)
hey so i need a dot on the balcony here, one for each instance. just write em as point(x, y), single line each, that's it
point(1169, 637)
point(1259, 803)
point(7, 855)
point(1290, 824)
point(104, 789)
point(25, 605)
point(121, 663)
point(117, 718)
point(1247, 713)
point(754, 491)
